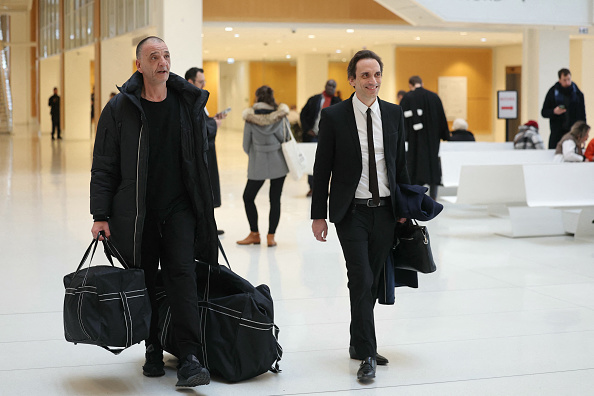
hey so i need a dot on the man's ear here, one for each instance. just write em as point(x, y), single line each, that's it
point(138, 65)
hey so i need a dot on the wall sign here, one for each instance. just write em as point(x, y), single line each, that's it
point(507, 105)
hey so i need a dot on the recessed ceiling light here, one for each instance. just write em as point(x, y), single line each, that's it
point(230, 60)
point(463, 33)
point(311, 36)
point(206, 51)
point(343, 59)
point(417, 38)
point(483, 39)
point(228, 29)
point(350, 30)
point(288, 56)
point(338, 51)
point(236, 34)
point(202, 35)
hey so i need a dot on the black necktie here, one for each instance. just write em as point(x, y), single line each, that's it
point(373, 185)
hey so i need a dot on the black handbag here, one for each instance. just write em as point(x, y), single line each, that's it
point(239, 337)
point(106, 305)
point(412, 248)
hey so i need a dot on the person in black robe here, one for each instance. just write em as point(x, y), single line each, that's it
point(425, 123)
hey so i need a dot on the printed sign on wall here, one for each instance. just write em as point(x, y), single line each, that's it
point(507, 105)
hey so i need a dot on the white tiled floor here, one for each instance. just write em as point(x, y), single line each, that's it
point(500, 316)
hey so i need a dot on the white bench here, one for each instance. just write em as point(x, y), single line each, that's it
point(452, 161)
point(534, 196)
point(569, 186)
point(475, 146)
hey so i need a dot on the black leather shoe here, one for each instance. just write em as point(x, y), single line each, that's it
point(381, 361)
point(367, 369)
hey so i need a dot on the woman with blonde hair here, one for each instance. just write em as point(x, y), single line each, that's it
point(262, 137)
point(570, 147)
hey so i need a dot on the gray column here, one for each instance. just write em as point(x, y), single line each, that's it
point(312, 74)
point(179, 23)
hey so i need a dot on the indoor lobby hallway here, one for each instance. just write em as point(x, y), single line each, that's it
point(499, 317)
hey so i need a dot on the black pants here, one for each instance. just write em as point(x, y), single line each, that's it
point(249, 195)
point(56, 126)
point(366, 236)
point(171, 243)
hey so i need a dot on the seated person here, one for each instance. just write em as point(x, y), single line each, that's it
point(528, 137)
point(569, 148)
point(589, 154)
point(460, 131)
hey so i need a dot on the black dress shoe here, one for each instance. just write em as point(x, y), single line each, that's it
point(220, 232)
point(381, 361)
point(367, 369)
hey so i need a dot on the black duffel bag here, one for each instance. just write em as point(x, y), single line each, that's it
point(105, 305)
point(239, 337)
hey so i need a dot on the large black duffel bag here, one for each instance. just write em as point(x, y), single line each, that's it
point(239, 337)
point(105, 305)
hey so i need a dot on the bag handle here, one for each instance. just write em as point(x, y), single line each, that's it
point(224, 255)
point(107, 245)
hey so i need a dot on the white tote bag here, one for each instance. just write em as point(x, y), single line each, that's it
point(293, 156)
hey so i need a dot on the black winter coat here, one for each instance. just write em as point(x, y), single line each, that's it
point(120, 168)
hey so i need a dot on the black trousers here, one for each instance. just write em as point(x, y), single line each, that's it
point(366, 236)
point(171, 243)
point(249, 195)
point(56, 126)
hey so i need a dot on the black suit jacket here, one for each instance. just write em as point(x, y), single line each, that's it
point(339, 162)
point(309, 113)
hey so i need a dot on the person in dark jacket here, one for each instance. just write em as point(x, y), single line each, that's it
point(460, 132)
point(54, 104)
point(425, 123)
point(563, 106)
point(310, 117)
point(195, 75)
point(151, 195)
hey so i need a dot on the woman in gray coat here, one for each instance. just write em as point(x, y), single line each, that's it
point(262, 137)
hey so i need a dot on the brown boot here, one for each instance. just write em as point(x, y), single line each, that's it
point(253, 238)
point(270, 240)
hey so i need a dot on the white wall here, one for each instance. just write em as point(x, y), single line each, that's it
point(49, 77)
point(504, 56)
point(77, 94)
point(20, 70)
point(535, 12)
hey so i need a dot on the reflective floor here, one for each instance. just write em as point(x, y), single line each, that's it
point(500, 316)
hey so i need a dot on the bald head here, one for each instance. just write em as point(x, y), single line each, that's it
point(144, 41)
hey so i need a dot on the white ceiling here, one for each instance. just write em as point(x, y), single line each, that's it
point(267, 41)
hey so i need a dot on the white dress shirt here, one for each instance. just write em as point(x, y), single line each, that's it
point(378, 143)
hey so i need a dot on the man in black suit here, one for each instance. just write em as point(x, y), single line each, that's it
point(310, 117)
point(364, 204)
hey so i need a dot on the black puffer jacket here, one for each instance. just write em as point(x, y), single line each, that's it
point(120, 167)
